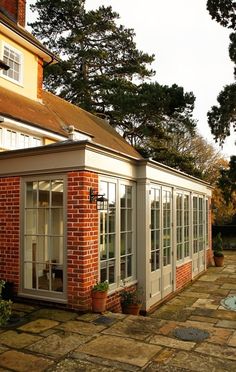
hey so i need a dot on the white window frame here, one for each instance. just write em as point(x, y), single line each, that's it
point(32, 140)
point(4, 73)
point(183, 258)
point(200, 224)
point(132, 279)
point(41, 293)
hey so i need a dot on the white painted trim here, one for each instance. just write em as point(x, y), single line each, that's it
point(21, 64)
point(31, 129)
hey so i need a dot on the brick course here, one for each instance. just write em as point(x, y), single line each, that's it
point(82, 239)
point(10, 229)
point(183, 275)
point(15, 9)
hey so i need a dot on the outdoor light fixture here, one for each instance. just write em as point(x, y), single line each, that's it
point(102, 202)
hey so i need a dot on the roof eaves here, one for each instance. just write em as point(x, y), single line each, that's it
point(27, 36)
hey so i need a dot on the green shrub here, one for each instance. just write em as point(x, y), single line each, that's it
point(218, 246)
point(5, 306)
point(101, 286)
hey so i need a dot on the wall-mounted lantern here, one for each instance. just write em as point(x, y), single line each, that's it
point(102, 202)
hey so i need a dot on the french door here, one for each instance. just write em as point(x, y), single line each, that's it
point(161, 266)
point(198, 262)
point(43, 254)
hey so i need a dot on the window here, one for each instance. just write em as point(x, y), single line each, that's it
point(12, 139)
point(207, 222)
point(116, 235)
point(182, 225)
point(126, 232)
point(43, 244)
point(198, 224)
point(13, 59)
point(108, 233)
point(155, 228)
point(166, 202)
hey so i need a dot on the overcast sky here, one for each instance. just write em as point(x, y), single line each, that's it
point(191, 49)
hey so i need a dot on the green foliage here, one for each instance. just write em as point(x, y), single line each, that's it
point(218, 246)
point(101, 286)
point(223, 117)
point(5, 307)
point(223, 11)
point(227, 181)
point(131, 296)
point(103, 72)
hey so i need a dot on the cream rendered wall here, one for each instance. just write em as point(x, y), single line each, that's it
point(29, 71)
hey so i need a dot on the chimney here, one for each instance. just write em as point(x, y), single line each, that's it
point(15, 10)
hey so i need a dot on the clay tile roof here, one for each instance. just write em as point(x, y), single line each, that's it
point(55, 113)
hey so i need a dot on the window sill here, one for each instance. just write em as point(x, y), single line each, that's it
point(184, 262)
point(120, 288)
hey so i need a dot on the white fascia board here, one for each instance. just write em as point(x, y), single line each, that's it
point(110, 163)
point(168, 177)
point(28, 44)
point(41, 160)
point(31, 129)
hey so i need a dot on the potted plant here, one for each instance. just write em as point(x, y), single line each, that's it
point(99, 296)
point(5, 306)
point(218, 251)
point(131, 300)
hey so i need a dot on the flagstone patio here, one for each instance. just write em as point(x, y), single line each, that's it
point(57, 340)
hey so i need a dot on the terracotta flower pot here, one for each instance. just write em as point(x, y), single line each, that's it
point(219, 261)
point(99, 299)
point(133, 309)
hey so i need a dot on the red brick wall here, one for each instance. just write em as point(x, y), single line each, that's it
point(15, 9)
point(183, 275)
point(82, 239)
point(10, 229)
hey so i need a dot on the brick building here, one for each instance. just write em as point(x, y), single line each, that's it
point(55, 241)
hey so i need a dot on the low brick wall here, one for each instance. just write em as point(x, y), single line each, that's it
point(183, 275)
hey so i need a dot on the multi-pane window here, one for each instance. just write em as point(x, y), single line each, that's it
point(207, 223)
point(201, 224)
point(186, 225)
point(116, 244)
point(166, 202)
point(195, 224)
point(13, 59)
point(126, 232)
point(108, 233)
point(182, 225)
point(43, 245)
point(179, 226)
point(198, 224)
point(11, 139)
point(155, 228)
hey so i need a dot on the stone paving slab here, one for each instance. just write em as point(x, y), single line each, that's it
point(38, 325)
point(194, 294)
point(120, 349)
point(58, 345)
point(21, 362)
point(203, 319)
point(71, 365)
point(54, 314)
point(219, 351)
point(232, 340)
point(201, 363)
point(138, 328)
point(226, 324)
point(205, 303)
point(171, 342)
point(83, 328)
point(18, 340)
